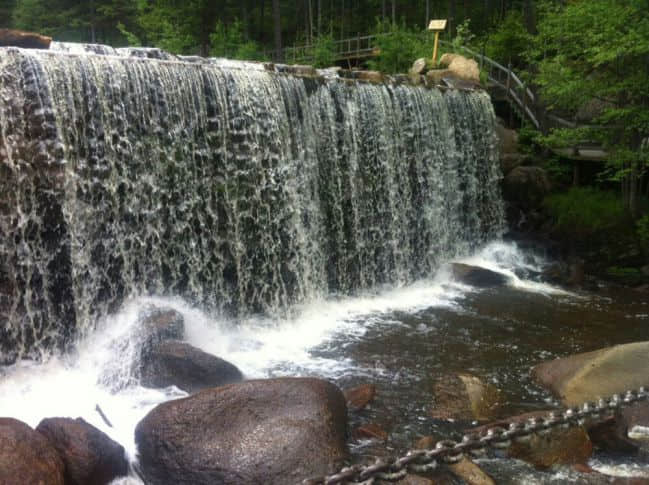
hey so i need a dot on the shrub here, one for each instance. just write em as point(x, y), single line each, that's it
point(583, 211)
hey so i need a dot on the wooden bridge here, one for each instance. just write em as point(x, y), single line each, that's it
point(502, 82)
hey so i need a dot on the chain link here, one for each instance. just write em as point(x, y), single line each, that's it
point(449, 451)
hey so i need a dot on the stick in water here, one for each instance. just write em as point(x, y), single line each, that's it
point(103, 416)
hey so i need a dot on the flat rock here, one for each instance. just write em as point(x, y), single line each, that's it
point(179, 364)
point(464, 397)
point(89, 455)
point(591, 375)
point(274, 431)
point(477, 276)
point(27, 457)
point(20, 38)
point(360, 396)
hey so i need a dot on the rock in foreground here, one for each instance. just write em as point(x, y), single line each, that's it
point(477, 276)
point(186, 367)
point(90, 456)
point(275, 431)
point(27, 456)
point(588, 376)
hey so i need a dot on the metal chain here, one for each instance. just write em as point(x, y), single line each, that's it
point(449, 451)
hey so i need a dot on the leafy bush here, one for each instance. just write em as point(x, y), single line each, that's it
point(398, 50)
point(509, 41)
point(583, 211)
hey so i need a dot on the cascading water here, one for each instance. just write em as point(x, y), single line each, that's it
point(239, 188)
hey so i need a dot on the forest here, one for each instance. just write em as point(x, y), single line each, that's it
point(587, 61)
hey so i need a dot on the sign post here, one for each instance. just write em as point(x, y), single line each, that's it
point(436, 26)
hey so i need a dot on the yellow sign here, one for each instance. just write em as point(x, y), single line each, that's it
point(437, 25)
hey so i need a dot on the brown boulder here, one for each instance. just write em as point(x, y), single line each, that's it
point(89, 455)
point(436, 75)
point(591, 375)
point(359, 397)
point(374, 77)
point(275, 431)
point(418, 67)
point(471, 473)
point(558, 446)
point(20, 38)
point(464, 397)
point(174, 363)
point(161, 323)
point(461, 67)
point(508, 139)
point(27, 456)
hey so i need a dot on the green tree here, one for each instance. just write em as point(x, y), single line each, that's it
point(597, 51)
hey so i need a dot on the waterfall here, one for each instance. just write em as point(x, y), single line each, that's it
point(238, 187)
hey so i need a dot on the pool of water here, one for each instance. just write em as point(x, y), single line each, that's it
point(399, 339)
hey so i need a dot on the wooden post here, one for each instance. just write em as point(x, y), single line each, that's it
point(436, 26)
point(435, 47)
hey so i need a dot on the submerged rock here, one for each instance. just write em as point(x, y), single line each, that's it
point(370, 431)
point(275, 431)
point(464, 397)
point(160, 324)
point(477, 276)
point(591, 375)
point(89, 455)
point(359, 397)
point(179, 364)
point(471, 473)
point(558, 446)
point(27, 456)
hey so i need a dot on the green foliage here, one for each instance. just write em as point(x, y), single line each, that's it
point(463, 35)
point(583, 211)
point(230, 42)
point(509, 41)
point(323, 51)
point(400, 48)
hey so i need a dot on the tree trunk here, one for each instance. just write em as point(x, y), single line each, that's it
point(277, 29)
point(427, 19)
point(452, 11)
point(394, 12)
point(384, 10)
point(530, 16)
point(319, 17)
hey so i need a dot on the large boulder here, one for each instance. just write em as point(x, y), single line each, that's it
point(418, 67)
point(526, 187)
point(89, 455)
point(464, 397)
point(591, 375)
point(174, 363)
point(461, 67)
point(477, 276)
point(275, 431)
point(27, 40)
point(27, 456)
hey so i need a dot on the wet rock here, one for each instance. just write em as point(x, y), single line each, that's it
point(425, 443)
point(476, 276)
point(559, 446)
point(464, 397)
point(415, 480)
point(27, 456)
point(471, 473)
point(509, 161)
point(179, 364)
point(160, 324)
point(27, 40)
point(275, 431)
point(370, 431)
point(508, 139)
point(359, 397)
point(591, 375)
point(526, 186)
point(607, 434)
point(89, 455)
